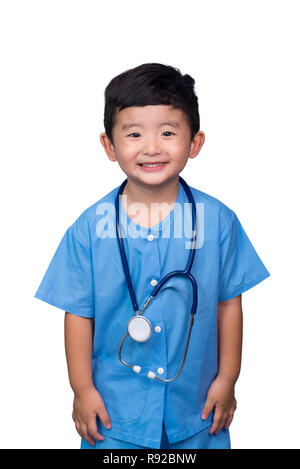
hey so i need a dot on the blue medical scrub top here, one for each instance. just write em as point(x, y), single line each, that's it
point(86, 278)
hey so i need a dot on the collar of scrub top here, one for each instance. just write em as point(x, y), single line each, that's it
point(184, 273)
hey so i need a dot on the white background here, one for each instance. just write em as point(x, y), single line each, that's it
point(56, 59)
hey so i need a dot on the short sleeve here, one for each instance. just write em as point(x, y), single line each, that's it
point(67, 283)
point(240, 266)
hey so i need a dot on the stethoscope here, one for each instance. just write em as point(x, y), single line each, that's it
point(139, 328)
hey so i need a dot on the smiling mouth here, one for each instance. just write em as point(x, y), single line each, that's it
point(151, 165)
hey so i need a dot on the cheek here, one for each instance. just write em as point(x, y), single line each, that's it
point(127, 154)
point(179, 150)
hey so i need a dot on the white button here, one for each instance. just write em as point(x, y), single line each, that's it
point(160, 371)
point(157, 329)
point(150, 237)
point(153, 282)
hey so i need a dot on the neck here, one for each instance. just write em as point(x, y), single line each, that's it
point(138, 193)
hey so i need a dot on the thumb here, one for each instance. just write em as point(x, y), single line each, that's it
point(208, 407)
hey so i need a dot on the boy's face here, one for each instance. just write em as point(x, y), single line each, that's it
point(149, 135)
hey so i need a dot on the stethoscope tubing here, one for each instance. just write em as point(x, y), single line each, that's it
point(184, 273)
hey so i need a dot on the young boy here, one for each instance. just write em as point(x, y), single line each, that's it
point(126, 397)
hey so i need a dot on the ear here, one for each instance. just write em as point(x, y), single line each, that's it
point(108, 147)
point(196, 144)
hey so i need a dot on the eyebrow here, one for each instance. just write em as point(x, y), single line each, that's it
point(174, 124)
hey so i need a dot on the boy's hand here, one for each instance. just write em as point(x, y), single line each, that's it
point(221, 396)
point(88, 403)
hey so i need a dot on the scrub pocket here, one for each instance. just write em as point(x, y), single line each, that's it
point(123, 391)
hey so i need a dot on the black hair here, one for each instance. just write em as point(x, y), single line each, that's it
point(151, 84)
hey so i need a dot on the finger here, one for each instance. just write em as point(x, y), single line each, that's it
point(85, 434)
point(77, 426)
point(230, 415)
point(79, 431)
point(221, 423)
point(93, 430)
point(216, 420)
point(82, 432)
point(104, 417)
point(229, 420)
point(208, 407)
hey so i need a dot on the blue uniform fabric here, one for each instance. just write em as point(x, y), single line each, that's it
point(201, 440)
point(85, 277)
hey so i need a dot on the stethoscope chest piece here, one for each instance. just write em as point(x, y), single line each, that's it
point(139, 328)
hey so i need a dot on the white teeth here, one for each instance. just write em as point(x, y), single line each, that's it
point(152, 165)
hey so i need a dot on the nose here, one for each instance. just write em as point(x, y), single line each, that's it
point(151, 147)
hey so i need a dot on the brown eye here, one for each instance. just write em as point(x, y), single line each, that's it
point(167, 132)
point(134, 133)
